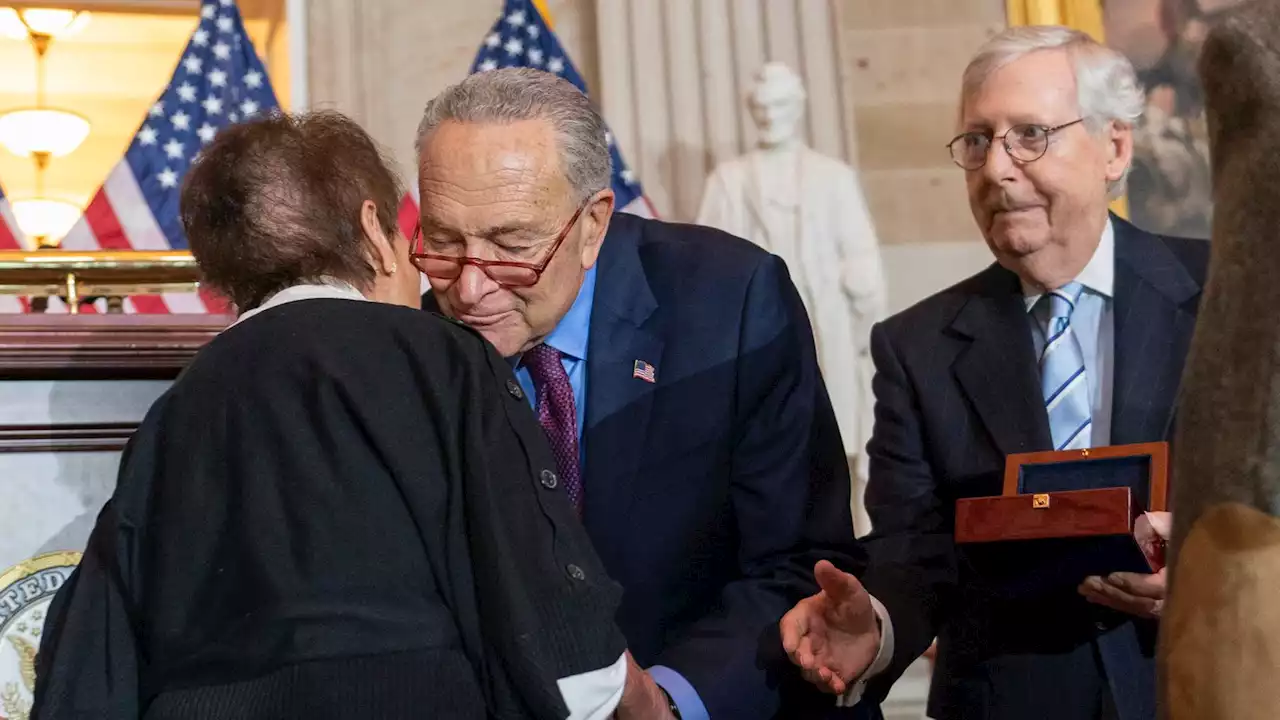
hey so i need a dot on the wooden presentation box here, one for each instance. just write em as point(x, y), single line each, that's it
point(1069, 512)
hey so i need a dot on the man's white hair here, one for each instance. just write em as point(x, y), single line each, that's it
point(1107, 88)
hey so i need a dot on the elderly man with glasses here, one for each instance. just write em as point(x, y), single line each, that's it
point(1074, 338)
point(673, 369)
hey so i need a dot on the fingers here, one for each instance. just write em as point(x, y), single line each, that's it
point(837, 584)
point(826, 679)
point(1101, 592)
point(1162, 523)
point(795, 625)
point(1138, 584)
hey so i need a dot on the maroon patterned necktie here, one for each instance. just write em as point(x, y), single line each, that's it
point(557, 414)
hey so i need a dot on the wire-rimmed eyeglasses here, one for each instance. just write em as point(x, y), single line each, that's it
point(1025, 142)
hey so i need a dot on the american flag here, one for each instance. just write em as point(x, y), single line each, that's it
point(11, 238)
point(645, 371)
point(522, 37)
point(219, 81)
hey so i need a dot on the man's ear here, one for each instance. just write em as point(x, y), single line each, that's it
point(595, 223)
point(1119, 151)
point(384, 254)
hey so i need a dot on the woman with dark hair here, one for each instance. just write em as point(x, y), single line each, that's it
point(341, 508)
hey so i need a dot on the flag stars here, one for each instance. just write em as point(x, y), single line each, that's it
point(493, 40)
point(225, 3)
point(208, 11)
point(556, 65)
point(173, 149)
point(516, 19)
point(488, 64)
point(187, 92)
point(225, 24)
point(249, 108)
point(206, 133)
point(535, 56)
point(514, 47)
point(168, 178)
point(253, 79)
point(234, 117)
point(147, 135)
point(212, 105)
point(222, 51)
point(201, 38)
point(533, 31)
point(628, 177)
point(181, 121)
point(193, 64)
point(157, 109)
point(218, 78)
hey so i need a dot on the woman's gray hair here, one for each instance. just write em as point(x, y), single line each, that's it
point(1107, 87)
point(510, 95)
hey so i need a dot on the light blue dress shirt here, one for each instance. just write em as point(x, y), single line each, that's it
point(1093, 323)
point(571, 337)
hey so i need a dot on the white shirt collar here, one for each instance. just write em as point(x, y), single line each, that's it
point(326, 288)
point(1099, 275)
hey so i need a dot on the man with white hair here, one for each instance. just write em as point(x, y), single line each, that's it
point(673, 370)
point(963, 379)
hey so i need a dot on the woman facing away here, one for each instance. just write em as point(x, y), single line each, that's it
point(341, 508)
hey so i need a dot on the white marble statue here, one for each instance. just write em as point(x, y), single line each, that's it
point(809, 210)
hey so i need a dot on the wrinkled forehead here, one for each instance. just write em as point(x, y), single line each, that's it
point(1038, 88)
point(491, 167)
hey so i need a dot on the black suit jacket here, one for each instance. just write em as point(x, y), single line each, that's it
point(957, 389)
point(710, 494)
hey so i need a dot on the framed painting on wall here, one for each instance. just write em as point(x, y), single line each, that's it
point(1169, 188)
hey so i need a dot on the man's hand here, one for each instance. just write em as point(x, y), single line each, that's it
point(833, 636)
point(1136, 593)
point(642, 699)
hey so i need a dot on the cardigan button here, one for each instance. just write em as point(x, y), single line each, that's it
point(513, 387)
point(575, 572)
point(549, 480)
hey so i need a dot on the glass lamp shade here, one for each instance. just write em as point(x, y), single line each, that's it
point(45, 218)
point(53, 22)
point(31, 131)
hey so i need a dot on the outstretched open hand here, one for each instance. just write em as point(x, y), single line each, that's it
point(832, 636)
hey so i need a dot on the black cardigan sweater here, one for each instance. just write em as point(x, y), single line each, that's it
point(340, 509)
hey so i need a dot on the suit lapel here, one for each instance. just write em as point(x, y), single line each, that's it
point(998, 370)
point(1154, 321)
point(618, 403)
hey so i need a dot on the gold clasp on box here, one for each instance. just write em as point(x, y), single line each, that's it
point(1040, 501)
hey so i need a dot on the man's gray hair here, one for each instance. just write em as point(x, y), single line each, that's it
point(1107, 87)
point(510, 95)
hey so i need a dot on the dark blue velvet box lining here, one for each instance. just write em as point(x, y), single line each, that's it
point(1133, 472)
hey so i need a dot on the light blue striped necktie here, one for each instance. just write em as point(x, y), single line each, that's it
point(1063, 382)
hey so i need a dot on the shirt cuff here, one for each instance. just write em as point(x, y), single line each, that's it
point(594, 695)
point(883, 657)
point(681, 692)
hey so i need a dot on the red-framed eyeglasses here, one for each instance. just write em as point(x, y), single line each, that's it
point(504, 272)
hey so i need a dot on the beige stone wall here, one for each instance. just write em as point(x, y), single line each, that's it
point(381, 61)
point(900, 64)
point(901, 67)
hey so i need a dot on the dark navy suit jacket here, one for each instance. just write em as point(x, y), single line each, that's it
point(710, 493)
point(957, 389)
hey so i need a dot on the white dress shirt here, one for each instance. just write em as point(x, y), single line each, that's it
point(1093, 322)
point(592, 695)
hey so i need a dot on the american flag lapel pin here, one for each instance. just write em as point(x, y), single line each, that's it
point(645, 371)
